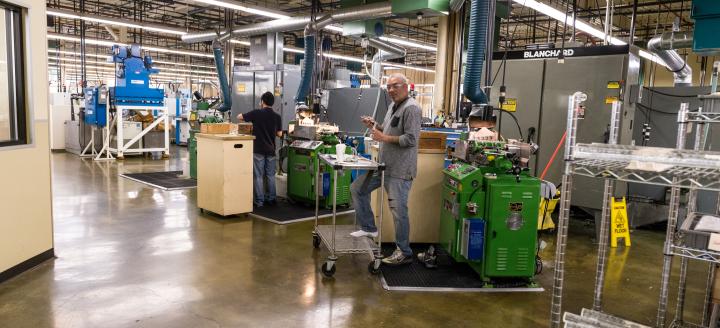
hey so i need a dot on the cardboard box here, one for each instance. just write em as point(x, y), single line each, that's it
point(432, 140)
point(215, 128)
point(245, 128)
point(226, 128)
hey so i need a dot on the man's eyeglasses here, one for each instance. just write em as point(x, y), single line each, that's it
point(395, 86)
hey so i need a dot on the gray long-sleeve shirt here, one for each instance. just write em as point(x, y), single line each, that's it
point(401, 159)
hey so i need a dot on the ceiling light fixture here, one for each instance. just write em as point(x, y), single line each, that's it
point(54, 36)
point(112, 21)
point(245, 8)
point(581, 25)
point(408, 43)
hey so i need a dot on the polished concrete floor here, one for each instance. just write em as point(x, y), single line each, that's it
point(132, 256)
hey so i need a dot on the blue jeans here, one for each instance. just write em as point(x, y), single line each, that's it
point(397, 193)
point(263, 167)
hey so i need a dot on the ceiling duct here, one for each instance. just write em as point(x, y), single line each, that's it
point(663, 46)
point(370, 11)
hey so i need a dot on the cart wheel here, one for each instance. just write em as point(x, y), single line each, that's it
point(316, 241)
point(328, 269)
point(374, 266)
point(202, 210)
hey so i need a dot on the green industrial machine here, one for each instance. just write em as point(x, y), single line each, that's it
point(490, 210)
point(308, 142)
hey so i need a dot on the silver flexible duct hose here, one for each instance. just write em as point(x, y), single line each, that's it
point(663, 45)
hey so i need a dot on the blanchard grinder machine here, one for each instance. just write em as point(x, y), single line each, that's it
point(309, 138)
point(490, 208)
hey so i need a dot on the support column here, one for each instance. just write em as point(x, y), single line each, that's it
point(441, 62)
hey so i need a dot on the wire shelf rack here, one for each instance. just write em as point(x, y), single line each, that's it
point(697, 254)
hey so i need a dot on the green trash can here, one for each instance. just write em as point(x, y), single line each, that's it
point(192, 149)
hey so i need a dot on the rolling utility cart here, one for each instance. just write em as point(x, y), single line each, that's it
point(336, 238)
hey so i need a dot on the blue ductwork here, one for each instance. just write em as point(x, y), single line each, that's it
point(477, 40)
point(222, 76)
point(308, 65)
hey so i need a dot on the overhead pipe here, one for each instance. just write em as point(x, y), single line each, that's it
point(370, 11)
point(112, 32)
point(456, 5)
point(392, 50)
point(386, 51)
point(222, 77)
point(663, 46)
point(477, 41)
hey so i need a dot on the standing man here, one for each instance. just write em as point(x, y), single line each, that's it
point(398, 137)
point(266, 126)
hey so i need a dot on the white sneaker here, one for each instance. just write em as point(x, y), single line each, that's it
point(363, 233)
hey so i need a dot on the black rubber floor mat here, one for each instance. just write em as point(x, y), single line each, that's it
point(449, 276)
point(284, 212)
point(171, 180)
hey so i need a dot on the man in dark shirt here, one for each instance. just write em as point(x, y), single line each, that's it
point(266, 126)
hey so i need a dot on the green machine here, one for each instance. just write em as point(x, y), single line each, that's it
point(302, 164)
point(490, 210)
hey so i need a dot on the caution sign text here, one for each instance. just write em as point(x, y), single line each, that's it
point(619, 227)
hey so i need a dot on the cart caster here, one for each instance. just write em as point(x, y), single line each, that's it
point(328, 269)
point(316, 241)
point(202, 210)
point(374, 266)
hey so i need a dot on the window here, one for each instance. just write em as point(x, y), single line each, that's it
point(13, 113)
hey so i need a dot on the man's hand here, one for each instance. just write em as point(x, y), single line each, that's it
point(368, 121)
point(240, 117)
point(377, 135)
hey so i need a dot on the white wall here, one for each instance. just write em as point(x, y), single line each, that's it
point(25, 191)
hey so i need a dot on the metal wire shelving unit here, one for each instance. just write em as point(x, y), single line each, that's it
point(677, 168)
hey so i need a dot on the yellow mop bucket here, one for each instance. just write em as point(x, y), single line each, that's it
point(547, 207)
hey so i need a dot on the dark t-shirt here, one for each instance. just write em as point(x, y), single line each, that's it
point(266, 123)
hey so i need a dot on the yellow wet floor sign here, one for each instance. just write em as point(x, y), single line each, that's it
point(619, 222)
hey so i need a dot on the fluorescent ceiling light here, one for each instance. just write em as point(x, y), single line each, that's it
point(293, 50)
point(112, 21)
point(161, 68)
point(334, 28)
point(580, 25)
point(408, 43)
point(396, 65)
point(562, 17)
point(247, 9)
point(71, 53)
point(106, 43)
point(245, 43)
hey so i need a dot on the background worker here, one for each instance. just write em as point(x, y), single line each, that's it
point(266, 126)
point(398, 137)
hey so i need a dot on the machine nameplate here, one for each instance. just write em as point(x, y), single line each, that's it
point(515, 207)
point(137, 82)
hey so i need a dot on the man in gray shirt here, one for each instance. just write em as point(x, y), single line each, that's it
point(398, 137)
